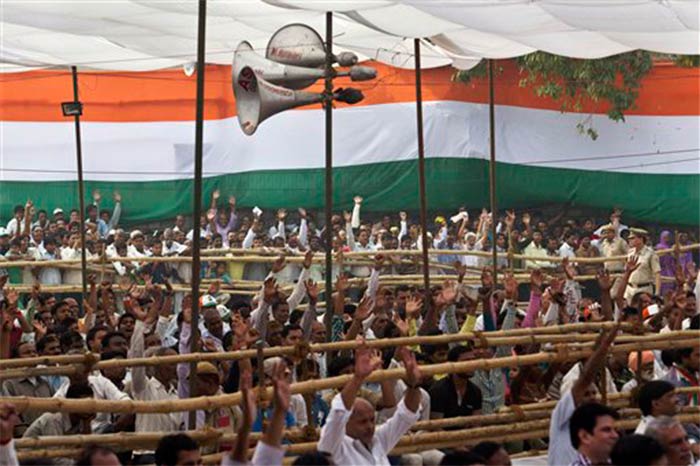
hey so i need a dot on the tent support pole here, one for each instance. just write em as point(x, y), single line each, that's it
point(81, 187)
point(197, 208)
point(421, 171)
point(492, 174)
point(328, 103)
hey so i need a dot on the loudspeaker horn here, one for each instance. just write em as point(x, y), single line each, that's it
point(299, 45)
point(257, 99)
point(291, 76)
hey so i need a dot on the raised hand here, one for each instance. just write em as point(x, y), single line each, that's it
point(448, 295)
point(302, 212)
point(604, 281)
point(232, 201)
point(400, 323)
point(341, 283)
point(96, 196)
point(536, 280)
point(39, 329)
point(413, 306)
point(282, 388)
point(270, 290)
point(511, 287)
point(413, 373)
point(249, 406)
point(9, 418)
point(216, 194)
point(526, 219)
point(510, 218)
point(308, 259)
point(378, 262)
point(311, 291)
point(281, 214)
point(357, 199)
point(569, 268)
point(632, 264)
point(366, 360)
point(279, 264)
point(116, 196)
point(364, 309)
point(403, 216)
point(461, 270)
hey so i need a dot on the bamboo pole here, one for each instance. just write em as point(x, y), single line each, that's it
point(349, 255)
point(42, 447)
point(89, 358)
point(208, 403)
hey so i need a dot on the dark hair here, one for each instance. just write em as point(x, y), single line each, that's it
point(15, 349)
point(315, 458)
point(652, 391)
point(79, 390)
point(428, 348)
point(295, 316)
point(170, 446)
point(636, 450)
point(289, 328)
point(18, 208)
point(339, 363)
point(461, 458)
point(109, 336)
point(45, 340)
point(69, 338)
point(85, 456)
point(126, 315)
point(668, 357)
point(695, 322)
point(585, 418)
point(629, 311)
point(486, 449)
point(455, 352)
point(56, 306)
point(107, 355)
point(93, 331)
point(683, 353)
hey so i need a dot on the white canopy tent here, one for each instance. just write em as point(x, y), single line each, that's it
point(154, 34)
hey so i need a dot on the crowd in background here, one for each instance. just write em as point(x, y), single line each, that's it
point(132, 310)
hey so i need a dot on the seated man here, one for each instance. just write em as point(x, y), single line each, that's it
point(349, 434)
point(455, 395)
point(656, 398)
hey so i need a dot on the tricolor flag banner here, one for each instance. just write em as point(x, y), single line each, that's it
point(138, 138)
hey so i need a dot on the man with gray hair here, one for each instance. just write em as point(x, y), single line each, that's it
point(671, 435)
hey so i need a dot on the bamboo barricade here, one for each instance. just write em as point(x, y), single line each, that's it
point(346, 257)
point(44, 447)
point(311, 386)
point(253, 288)
point(90, 358)
point(298, 351)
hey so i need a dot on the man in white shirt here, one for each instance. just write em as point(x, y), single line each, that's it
point(561, 450)
point(349, 434)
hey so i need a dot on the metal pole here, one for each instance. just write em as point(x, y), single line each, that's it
point(328, 102)
point(421, 171)
point(198, 142)
point(492, 174)
point(81, 188)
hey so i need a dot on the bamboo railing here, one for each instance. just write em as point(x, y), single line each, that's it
point(318, 258)
point(528, 335)
point(312, 386)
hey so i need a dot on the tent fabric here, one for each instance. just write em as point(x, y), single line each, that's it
point(142, 35)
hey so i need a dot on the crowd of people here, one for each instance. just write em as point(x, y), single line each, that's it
point(134, 311)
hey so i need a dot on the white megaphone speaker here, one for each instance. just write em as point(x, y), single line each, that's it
point(257, 99)
point(290, 76)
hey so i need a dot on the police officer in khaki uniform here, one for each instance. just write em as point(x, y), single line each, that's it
point(612, 245)
point(647, 278)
